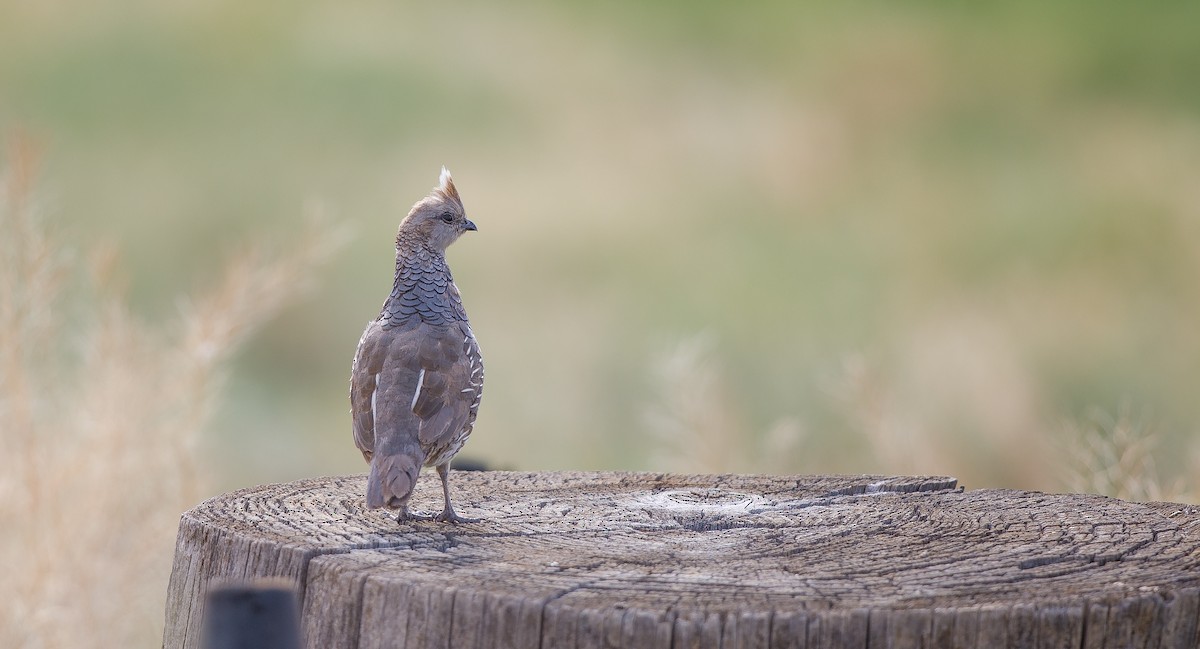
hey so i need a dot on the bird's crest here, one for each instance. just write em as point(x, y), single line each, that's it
point(445, 188)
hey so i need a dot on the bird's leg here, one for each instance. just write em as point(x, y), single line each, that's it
point(448, 515)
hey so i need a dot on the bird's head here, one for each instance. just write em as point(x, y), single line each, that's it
point(438, 219)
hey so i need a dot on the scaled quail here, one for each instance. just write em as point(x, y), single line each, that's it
point(418, 376)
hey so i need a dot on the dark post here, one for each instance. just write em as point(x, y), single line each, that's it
point(252, 616)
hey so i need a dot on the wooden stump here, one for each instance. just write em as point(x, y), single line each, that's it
point(646, 560)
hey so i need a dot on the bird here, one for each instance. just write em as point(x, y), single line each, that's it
point(417, 377)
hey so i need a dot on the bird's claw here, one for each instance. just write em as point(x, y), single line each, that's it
point(410, 516)
point(448, 516)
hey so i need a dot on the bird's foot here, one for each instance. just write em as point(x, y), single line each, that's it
point(448, 516)
point(408, 516)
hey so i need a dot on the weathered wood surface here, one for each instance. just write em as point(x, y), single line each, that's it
point(647, 560)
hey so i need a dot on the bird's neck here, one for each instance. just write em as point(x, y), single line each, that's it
point(411, 242)
point(419, 256)
point(423, 288)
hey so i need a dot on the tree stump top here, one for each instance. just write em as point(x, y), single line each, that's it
point(638, 559)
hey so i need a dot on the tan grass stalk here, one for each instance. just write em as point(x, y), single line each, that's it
point(1114, 455)
point(101, 412)
point(695, 424)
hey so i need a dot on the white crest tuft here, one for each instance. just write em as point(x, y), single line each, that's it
point(446, 188)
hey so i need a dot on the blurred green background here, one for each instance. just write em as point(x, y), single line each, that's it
point(812, 237)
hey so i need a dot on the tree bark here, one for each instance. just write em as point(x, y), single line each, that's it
point(652, 560)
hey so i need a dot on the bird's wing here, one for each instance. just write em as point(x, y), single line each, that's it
point(368, 362)
point(442, 399)
point(410, 387)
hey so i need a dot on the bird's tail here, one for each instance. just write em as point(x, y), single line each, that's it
point(391, 480)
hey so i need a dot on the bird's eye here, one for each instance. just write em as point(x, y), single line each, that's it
point(447, 217)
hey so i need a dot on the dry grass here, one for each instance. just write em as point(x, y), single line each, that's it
point(1114, 455)
point(101, 414)
point(953, 401)
point(991, 212)
point(696, 427)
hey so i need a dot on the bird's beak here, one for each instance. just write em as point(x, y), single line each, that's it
point(469, 225)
